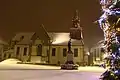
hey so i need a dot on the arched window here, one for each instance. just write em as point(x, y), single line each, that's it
point(64, 52)
point(76, 52)
point(53, 51)
point(39, 50)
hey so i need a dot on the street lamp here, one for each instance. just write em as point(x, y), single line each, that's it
point(88, 53)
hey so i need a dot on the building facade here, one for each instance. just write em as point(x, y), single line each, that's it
point(30, 48)
point(59, 48)
point(97, 52)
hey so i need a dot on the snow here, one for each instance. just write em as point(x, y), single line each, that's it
point(47, 75)
point(92, 69)
point(12, 64)
point(29, 66)
point(9, 70)
point(10, 61)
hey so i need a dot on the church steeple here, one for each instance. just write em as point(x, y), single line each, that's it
point(76, 19)
point(76, 30)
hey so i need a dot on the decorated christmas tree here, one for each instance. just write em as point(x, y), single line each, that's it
point(109, 22)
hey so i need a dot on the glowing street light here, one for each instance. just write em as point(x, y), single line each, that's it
point(88, 53)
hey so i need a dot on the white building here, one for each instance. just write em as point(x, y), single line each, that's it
point(59, 48)
point(29, 48)
point(97, 52)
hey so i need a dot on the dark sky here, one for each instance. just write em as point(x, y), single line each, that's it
point(56, 15)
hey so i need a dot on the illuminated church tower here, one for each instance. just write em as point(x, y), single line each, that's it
point(76, 34)
point(76, 30)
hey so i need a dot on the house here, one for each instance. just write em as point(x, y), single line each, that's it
point(97, 52)
point(59, 48)
point(3, 45)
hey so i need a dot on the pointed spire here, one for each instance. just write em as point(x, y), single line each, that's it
point(76, 30)
point(76, 19)
point(76, 15)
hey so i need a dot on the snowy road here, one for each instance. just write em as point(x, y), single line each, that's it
point(48, 75)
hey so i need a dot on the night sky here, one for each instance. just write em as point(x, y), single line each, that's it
point(56, 15)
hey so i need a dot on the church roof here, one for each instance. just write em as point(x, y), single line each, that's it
point(23, 37)
point(3, 42)
point(60, 38)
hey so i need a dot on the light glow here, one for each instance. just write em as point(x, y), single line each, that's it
point(88, 53)
point(61, 38)
point(105, 55)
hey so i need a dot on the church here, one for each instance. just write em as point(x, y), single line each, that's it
point(46, 48)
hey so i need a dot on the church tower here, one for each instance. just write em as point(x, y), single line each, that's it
point(76, 30)
point(76, 20)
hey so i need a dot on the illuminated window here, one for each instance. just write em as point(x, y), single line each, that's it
point(64, 52)
point(53, 51)
point(76, 52)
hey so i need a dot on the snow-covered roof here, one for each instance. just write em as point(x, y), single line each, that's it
point(23, 37)
point(60, 38)
point(3, 42)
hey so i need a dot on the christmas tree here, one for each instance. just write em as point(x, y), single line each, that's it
point(110, 24)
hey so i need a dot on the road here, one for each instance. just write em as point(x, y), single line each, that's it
point(48, 75)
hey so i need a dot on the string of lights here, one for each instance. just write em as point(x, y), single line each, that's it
point(109, 22)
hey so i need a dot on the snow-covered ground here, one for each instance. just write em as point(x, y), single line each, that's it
point(26, 66)
point(12, 64)
point(9, 70)
point(92, 69)
point(48, 75)
point(29, 66)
